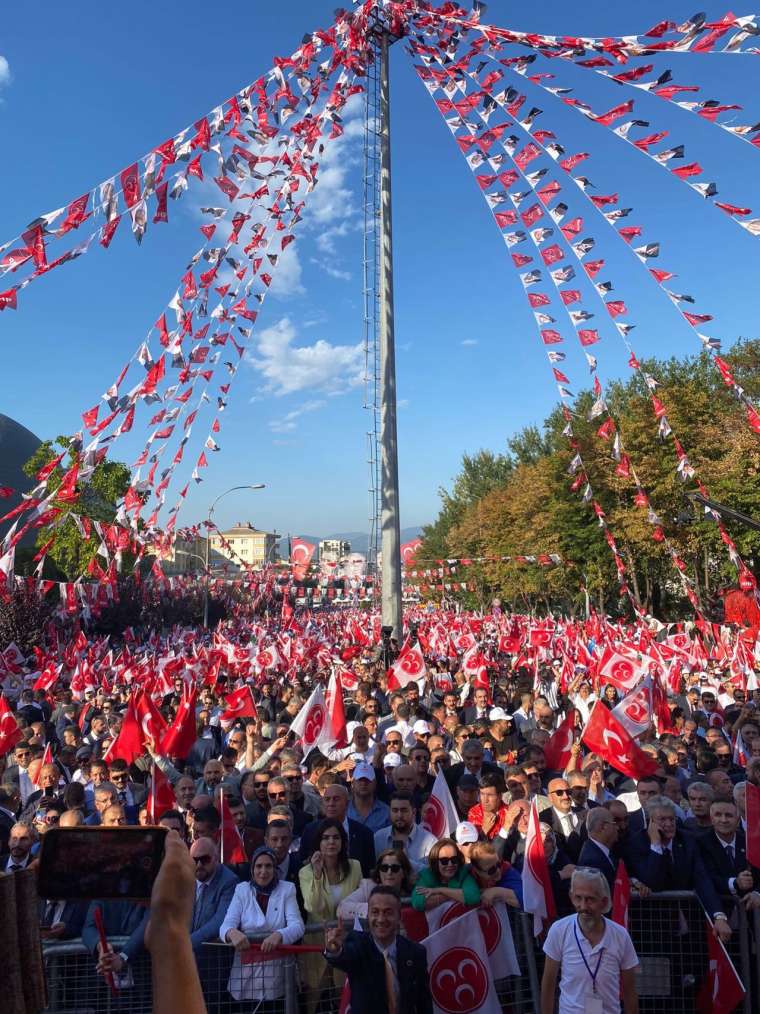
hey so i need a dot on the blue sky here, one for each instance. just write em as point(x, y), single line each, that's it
point(87, 87)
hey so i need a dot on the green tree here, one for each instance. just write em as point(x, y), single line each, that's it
point(98, 495)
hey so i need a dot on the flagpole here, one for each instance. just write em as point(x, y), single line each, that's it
point(389, 512)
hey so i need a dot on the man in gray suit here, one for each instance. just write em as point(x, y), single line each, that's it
point(214, 886)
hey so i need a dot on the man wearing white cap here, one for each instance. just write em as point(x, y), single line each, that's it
point(466, 835)
point(405, 833)
point(364, 807)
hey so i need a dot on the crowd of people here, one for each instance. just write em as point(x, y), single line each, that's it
point(287, 840)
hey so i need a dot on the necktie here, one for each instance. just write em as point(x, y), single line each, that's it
point(730, 853)
point(198, 905)
point(390, 985)
point(15, 867)
point(122, 797)
point(50, 908)
point(667, 858)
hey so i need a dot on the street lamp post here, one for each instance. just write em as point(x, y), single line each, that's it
point(257, 485)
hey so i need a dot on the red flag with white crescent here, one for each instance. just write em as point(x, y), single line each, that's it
point(558, 748)
point(10, 731)
point(538, 898)
point(161, 797)
point(621, 896)
point(301, 553)
point(722, 990)
point(239, 704)
point(310, 720)
point(604, 735)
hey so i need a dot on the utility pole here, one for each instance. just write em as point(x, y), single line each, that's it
point(392, 615)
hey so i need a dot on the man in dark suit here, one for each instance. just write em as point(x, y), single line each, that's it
point(478, 709)
point(215, 885)
point(130, 794)
point(597, 849)
point(20, 841)
point(666, 858)
point(120, 919)
point(361, 841)
point(562, 820)
point(472, 763)
point(382, 960)
point(61, 920)
point(724, 852)
point(9, 800)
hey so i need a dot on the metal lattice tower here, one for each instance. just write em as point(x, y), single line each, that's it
point(371, 284)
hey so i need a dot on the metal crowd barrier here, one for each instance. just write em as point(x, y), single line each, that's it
point(668, 931)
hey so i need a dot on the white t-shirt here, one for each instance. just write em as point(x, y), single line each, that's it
point(564, 943)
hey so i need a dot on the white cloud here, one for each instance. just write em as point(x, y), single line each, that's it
point(468, 342)
point(287, 368)
point(288, 422)
point(402, 403)
point(5, 72)
point(286, 277)
point(333, 272)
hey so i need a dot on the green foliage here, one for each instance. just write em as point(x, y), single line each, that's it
point(98, 495)
point(521, 504)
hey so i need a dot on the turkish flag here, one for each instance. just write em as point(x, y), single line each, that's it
point(152, 722)
point(161, 796)
point(128, 745)
point(557, 749)
point(605, 736)
point(722, 991)
point(621, 896)
point(753, 824)
point(182, 733)
point(439, 814)
point(47, 758)
point(10, 733)
point(231, 844)
point(621, 670)
point(408, 549)
point(334, 733)
point(538, 898)
point(239, 704)
point(301, 553)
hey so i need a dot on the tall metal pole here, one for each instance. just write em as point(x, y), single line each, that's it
point(389, 516)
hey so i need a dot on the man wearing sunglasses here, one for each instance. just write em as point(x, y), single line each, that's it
point(214, 886)
point(562, 820)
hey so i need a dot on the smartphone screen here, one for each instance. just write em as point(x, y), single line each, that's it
point(100, 862)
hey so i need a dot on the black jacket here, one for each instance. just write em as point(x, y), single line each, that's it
point(363, 962)
point(592, 856)
point(361, 844)
point(455, 772)
point(572, 843)
point(688, 871)
point(719, 867)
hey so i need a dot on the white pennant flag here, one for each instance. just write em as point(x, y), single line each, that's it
point(460, 974)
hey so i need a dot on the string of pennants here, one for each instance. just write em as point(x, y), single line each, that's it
point(262, 148)
point(449, 567)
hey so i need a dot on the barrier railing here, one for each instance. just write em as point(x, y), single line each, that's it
point(668, 931)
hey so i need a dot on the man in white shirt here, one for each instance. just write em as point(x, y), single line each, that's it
point(596, 955)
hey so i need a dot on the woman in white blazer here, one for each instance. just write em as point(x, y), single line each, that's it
point(268, 905)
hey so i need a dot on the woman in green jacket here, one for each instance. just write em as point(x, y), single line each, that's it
point(447, 878)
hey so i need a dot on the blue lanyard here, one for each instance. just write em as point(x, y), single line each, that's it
point(595, 973)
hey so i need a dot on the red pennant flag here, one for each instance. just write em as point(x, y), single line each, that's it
point(605, 736)
point(538, 898)
point(621, 896)
point(239, 704)
point(47, 758)
point(152, 722)
point(231, 844)
point(161, 796)
point(10, 733)
point(182, 733)
point(128, 745)
point(722, 991)
point(558, 747)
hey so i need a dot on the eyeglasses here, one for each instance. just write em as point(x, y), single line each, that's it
point(260, 785)
point(491, 870)
point(560, 792)
point(389, 867)
point(278, 795)
point(202, 859)
point(293, 778)
point(448, 860)
point(393, 742)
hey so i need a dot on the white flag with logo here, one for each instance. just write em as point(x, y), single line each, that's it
point(496, 930)
point(460, 976)
point(439, 814)
point(635, 710)
point(310, 720)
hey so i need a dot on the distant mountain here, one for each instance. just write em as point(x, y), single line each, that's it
point(17, 445)
point(359, 540)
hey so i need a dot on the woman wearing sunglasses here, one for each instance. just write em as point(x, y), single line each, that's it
point(497, 880)
point(447, 878)
point(392, 869)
